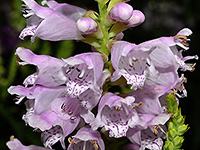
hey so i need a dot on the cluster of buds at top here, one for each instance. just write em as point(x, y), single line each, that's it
point(124, 13)
point(75, 23)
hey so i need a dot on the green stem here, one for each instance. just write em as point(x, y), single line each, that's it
point(103, 14)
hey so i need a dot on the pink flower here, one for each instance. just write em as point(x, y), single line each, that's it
point(54, 23)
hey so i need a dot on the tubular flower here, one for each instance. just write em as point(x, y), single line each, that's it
point(47, 67)
point(149, 136)
point(151, 141)
point(82, 72)
point(116, 114)
point(167, 59)
point(83, 75)
point(166, 54)
point(53, 104)
point(131, 62)
point(86, 138)
point(44, 112)
point(41, 21)
point(150, 98)
point(147, 139)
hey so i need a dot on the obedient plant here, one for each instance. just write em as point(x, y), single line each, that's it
point(75, 95)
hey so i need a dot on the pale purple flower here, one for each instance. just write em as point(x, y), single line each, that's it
point(146, 139)
point(54, 23)
point(152, 62)
point(130, 61)
point(166, 54)
point(86, 25)
point(116, 114)
point(86, 138)
point(150, 98)
point(121, 12)
point(15, 144)
point(81, 73)
point(153, 116)
point(151, 141)
point(53, 106)
point(149, 136)
point(47, 67)
point(167, 59)
point(44, 112)
point(136, 18)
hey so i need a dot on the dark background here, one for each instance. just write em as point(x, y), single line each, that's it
point(163, 18)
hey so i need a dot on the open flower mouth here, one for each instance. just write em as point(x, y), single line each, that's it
point(116, 121)
point(182, 39)
point(71, 107)
point(79, 79)
point(27, 12)
point(133, 68)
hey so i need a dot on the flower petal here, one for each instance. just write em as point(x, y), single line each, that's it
point(70, 11)
point(47, 66)
point(50, 137)
point(17, 145)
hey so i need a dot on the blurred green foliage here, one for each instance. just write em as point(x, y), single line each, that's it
point(163, 18)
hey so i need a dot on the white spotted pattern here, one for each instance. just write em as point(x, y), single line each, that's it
point(28, 31)
point(133, 71)
point(79, 79)
point(51, 136)
point(115, 121)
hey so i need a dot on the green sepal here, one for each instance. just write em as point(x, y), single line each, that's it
point(117, 28)
point(168, 145)
point(92, 14)
point(91, 40)
point(178, 141)
point(170, 125)
point(181, 120)
point(182, 129)
point(178, 113)
point(172, 133)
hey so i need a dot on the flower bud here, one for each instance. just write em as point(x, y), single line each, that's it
point(121, 12)
point(136, 18)
point(86, 25)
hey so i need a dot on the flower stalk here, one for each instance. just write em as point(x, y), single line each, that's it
point(102, 20)
point(176, 126)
